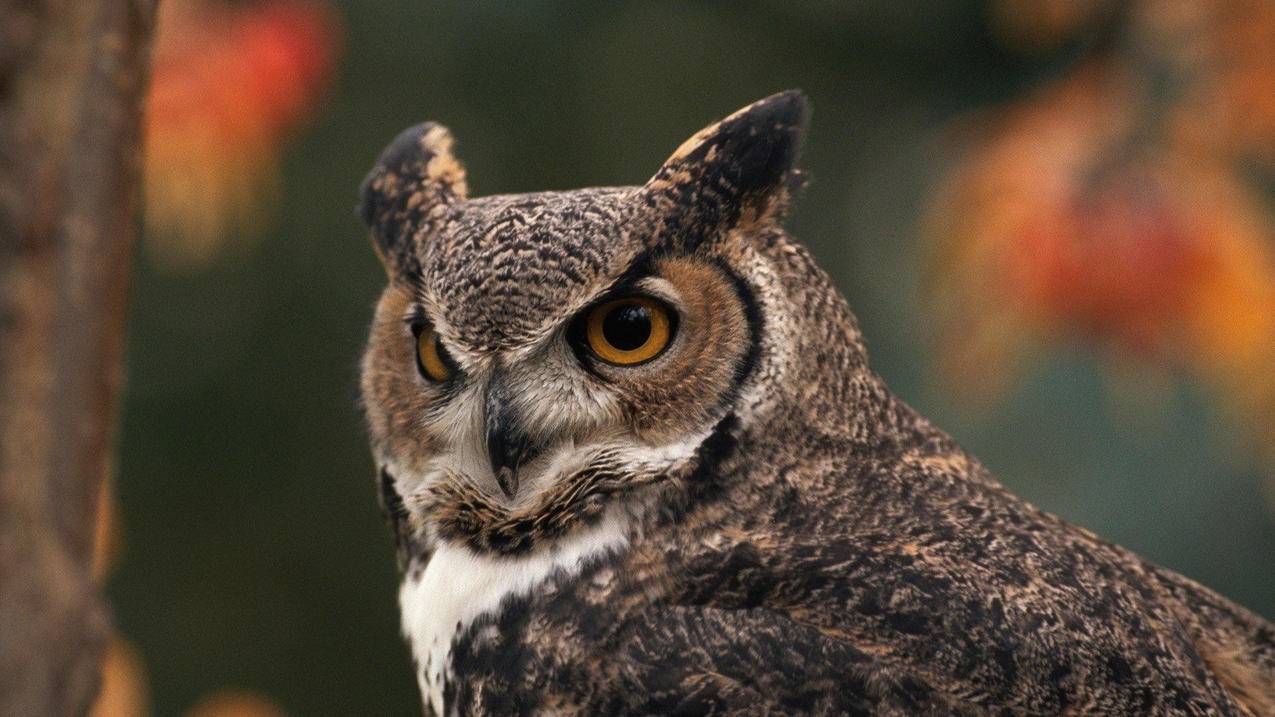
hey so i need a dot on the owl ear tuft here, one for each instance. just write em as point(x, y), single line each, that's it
point(413, 181)
point(736, 171)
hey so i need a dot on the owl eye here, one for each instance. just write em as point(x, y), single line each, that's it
point(431, 357)
point(629, 331)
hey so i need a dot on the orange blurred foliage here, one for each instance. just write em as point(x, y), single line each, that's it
point(236, 703)
point(1114, 207)
point(124, 691)
point(107, 536)
point(230, 83)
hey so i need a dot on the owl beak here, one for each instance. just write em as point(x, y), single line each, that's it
point(507, 446)
point(506, 451)
point(507, 479)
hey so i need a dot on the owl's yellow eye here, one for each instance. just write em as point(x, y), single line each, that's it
point(431, 359)
point(629, 331)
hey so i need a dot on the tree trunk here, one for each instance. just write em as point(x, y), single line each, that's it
point(72, 81)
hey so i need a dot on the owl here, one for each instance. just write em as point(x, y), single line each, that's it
point(636, 462)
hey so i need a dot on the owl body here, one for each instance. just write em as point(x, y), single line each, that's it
point(636, 463)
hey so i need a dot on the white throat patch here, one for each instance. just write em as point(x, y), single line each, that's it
point(459, 585)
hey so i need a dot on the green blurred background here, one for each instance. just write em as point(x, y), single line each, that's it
point(253, 553)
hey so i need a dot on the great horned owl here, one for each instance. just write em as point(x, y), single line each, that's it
point(636, 463)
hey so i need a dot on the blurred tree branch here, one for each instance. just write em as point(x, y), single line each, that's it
point(72, 81)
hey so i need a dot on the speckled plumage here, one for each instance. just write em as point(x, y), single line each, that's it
point(750, 523)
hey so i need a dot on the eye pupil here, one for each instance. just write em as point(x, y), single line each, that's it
point(627, 327)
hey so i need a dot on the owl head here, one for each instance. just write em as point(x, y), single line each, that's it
point(540, 362)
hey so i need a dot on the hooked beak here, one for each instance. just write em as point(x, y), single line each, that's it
point(507, 444)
